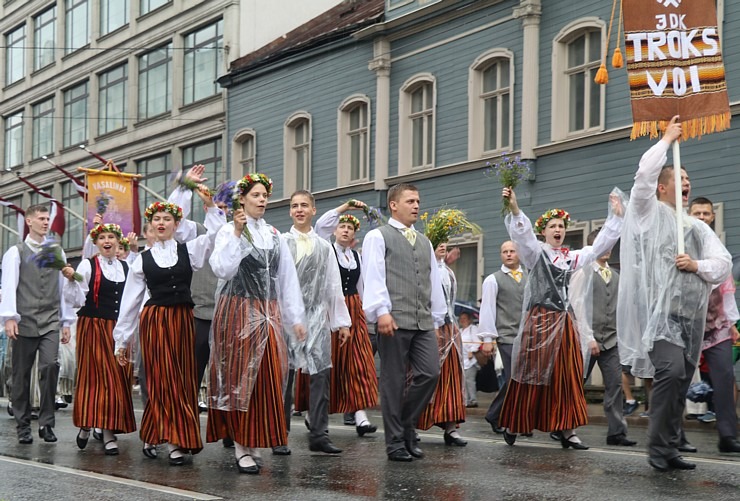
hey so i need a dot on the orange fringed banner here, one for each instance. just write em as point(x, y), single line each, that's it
point(674, 66)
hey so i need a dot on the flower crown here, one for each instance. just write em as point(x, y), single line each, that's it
point(126, 244)
point(545, 218)
point(173, 209)
point(245, 183)
point(349, 218)
point(106, 228)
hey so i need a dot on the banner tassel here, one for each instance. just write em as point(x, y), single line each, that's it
point(695, 128)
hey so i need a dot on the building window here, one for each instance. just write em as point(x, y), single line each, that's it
point(75, 115)
point(113, 15)
point(155, 69)
point(578, 102)
point(203, 62)
point(10, 220)
point(75, 228)
point(354, 140)
point(209, 155)
point(14, 139)
point(297, 153)
point(244, 153)
point(416, 130)
point(491, 120)
point(146, 6)
point(15, 55)
point(154, 172)
point(77, 25)
point(44, 38)
point(112, 99)
point(465, 258)
point(42, 137)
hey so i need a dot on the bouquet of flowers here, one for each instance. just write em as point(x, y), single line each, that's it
point(50, 256)
point(510, 172)
point(445, 224)
point(101, 202)
point(373, 216)
point(179, 179)
point(236, 205)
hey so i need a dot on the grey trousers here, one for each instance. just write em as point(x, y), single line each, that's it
point(202, 348)
point(318, 405)
point(401, 404)
point(141, 374)
point(288, 398)
point(611, 370)
point(719, 361)
point(24, 354)
point(494, 411)
point(471, 389)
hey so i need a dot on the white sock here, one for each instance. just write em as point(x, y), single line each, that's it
point(174, 451)
point(451, 428)
point(84, 434)
point(631, 401)
point(243, 455)
point(255, 453)
point(109, 439)
point(361, 418)
point(571, 436)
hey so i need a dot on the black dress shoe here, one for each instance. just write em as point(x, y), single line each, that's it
point(556, 435)
point(308, 425)
point(366, 428)
point(25, 437)
point(494, 425)
point(10, 410)
point(251, 469)
point(566, 442)
point(729, 444)
point(349, 419)
point(659, 464)
point(324, 446)
point(687, 447)
point(678, 463)
point(619, 440)
point(509, 438)
point(111, 451)
point(227, 442)
point(97, 435)
point(400, 455)
point(82, 442)
point(281, 450)
point(458, 441)
point(412, 449)
point(176, 460)
point(47, 433)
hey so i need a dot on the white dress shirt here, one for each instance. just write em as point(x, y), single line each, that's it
point(487, 331)
point(75, 293)
point(471, 344)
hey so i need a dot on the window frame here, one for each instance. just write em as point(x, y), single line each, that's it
point(103, 110)
point(39, 28)
point(143, 11)
point(344, 140)
point(290, 155)
point(146, 198)
point(191, 97)
point(469, 240)
point(216, 159)
point(405, 121)
point(10, 219)
point(8, 131)
point(67, 129)
point(105, 29)
point(70, 8)
point(72, 200)
point(38, 119)
point(13, 55)
point(146, 72)
point(240, 166)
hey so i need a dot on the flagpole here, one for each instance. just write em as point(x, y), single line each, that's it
point(8, 228)
point(152, 192)
point(679, 195)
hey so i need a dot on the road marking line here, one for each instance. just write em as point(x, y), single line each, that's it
point(117, 480)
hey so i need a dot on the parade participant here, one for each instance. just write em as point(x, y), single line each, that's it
point(546, 387)
point(354, 381)
point(103, 390)
point(403, 294)
point(663, 295)
point(166, 329)
point(471, 345)
point(34, 313)
point(719, 334)
point(500, 317)
point(326, 311)
point(259, 298)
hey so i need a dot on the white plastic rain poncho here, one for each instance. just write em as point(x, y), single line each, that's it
point(321, 286)
point(449, 333)
point(548, 291)
point(657, 301)
point(258, 296)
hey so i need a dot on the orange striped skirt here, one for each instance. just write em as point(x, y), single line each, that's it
point(448, 402)
point(103, 392)
point(262, 424)
point(560, 405)
point(167, 337)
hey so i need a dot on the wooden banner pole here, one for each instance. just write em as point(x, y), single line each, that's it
point(679, 195)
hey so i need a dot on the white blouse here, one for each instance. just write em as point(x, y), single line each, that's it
point(75, 293)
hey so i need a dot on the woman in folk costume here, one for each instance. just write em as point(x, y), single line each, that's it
point(354, 380)
point(167, 329)
point(546, 388)
point(260, 296)
point(103, 392)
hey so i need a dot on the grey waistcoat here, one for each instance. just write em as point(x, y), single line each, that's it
point(509, 303)
point(37, 297)
point(407, 277)
point(203, 288)
point(605, 310)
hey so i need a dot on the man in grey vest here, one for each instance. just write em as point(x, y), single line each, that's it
point(403, 295)
point(34, 313)
point(604, 347)
point(500, 316)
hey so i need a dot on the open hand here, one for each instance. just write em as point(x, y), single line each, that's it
point(386, 325)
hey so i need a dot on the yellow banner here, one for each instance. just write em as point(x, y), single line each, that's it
point(115, 195)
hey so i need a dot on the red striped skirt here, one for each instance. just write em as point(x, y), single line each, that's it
point(560, 405)
point(167, 337)
point(448, 403)
point(262, 424)
point(103, 392)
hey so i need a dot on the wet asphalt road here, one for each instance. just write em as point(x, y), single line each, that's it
point(534, 469)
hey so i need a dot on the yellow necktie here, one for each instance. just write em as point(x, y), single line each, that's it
point(516, 275)
point(304, 246)
point(605, 273)
point(410, 235)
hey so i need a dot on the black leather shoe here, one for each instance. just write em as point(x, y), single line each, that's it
point(281, 450)
point(251, 470)
point(620, 440)
point(349, 419)
point(556, 435)
point(227, 442)
point(366, 428)
point(97, 435)
point(412, 449)
point(324, 446)
point(500, 430)
point(509, 438)
point(111, 451)
point(400, 455)
point(82, 442)
point(47, 433)
point(176, 460)
point(25, 437)
point(687, 447)
point(659, 464)
point(308, 425)
point(10, 410)
point(494, 425)
point(458, 441)
point(729, 444)
point(678, 463)
point(566, 442)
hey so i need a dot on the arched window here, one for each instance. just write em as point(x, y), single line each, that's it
point(490, 104)
point(297, 152)
point(353, 131)
point(244, 153)
point(416, 135)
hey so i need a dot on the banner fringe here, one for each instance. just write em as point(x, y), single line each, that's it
point(695, 128)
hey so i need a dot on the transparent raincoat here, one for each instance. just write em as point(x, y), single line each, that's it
point(321, 286)
point(557, 291)
point(258, 298)
point(449, 333)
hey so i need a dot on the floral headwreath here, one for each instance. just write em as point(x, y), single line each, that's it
point(245, 183)
point(126, 244)
point(349, 218)
point(545, 218)
point(173, 209)
point(106, 228)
